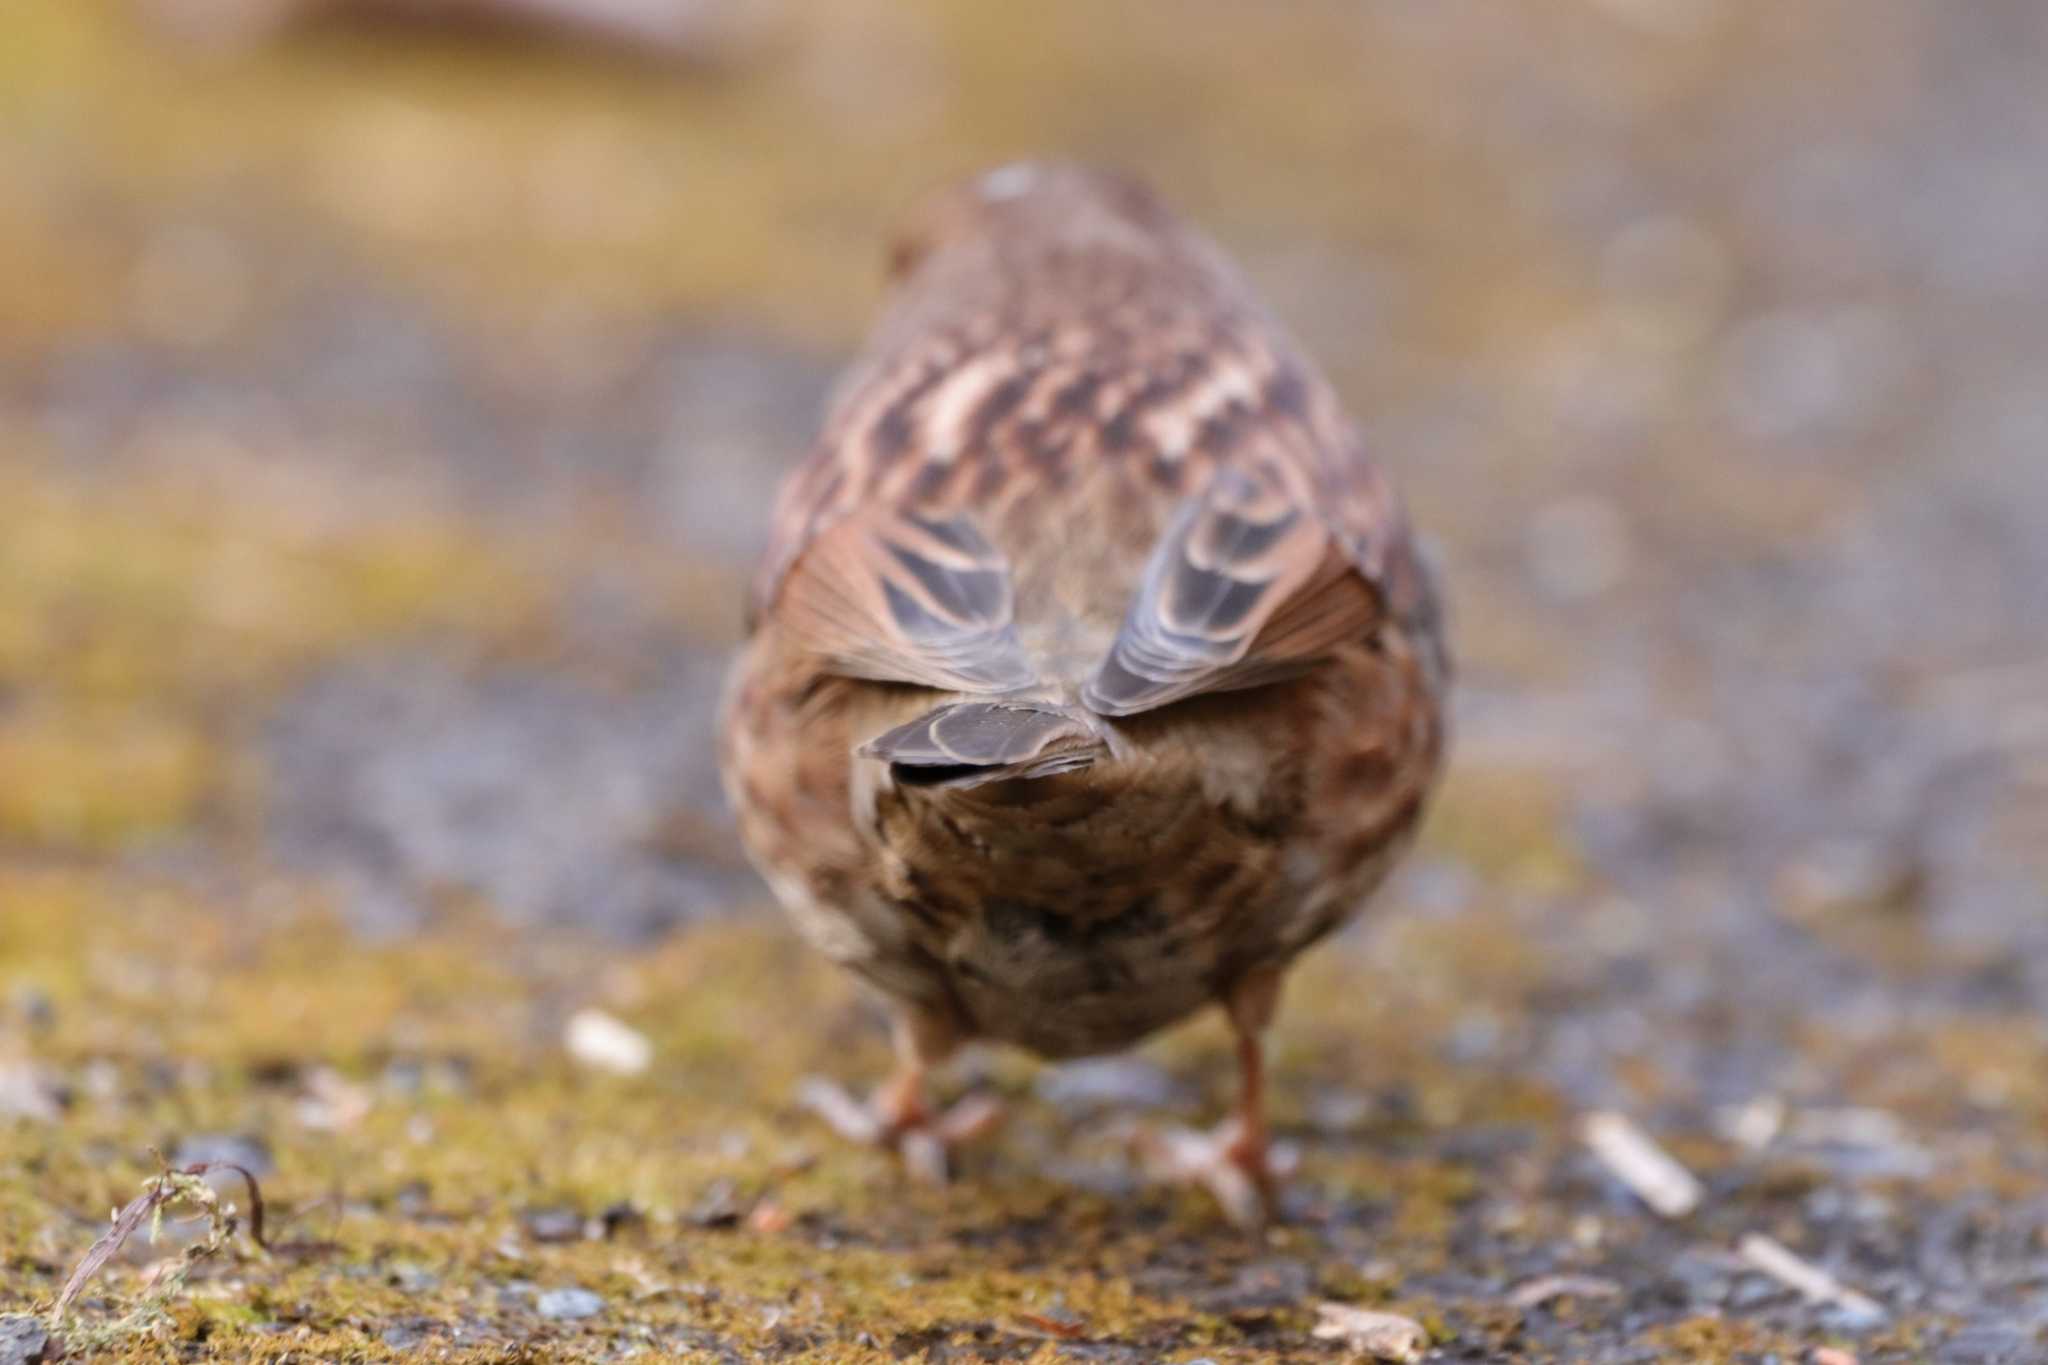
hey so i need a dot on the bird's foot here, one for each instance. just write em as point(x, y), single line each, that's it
point(1232, 1161)
point(898, 1118)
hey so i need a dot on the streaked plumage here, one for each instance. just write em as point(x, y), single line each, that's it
point(1093, 673)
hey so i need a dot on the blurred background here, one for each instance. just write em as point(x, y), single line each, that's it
point(390, 399)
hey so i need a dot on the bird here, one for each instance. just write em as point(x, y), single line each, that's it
point(1093, 671)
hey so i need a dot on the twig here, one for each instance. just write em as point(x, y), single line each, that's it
point(1793, 1271)
point(1639, 1163)
point(166, 1187)
point(1535, 1293)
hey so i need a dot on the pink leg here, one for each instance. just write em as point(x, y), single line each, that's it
point(1235, 1162)
point(899, 1114)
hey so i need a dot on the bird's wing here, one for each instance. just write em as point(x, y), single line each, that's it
point(903, 596)
point(1247, 586)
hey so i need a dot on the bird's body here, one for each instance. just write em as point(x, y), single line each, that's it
point(1093, 673)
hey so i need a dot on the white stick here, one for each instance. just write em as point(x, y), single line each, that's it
point(1635, 1158)
point(1793, 1271)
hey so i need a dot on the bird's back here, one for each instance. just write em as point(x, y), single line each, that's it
point(1063, 371)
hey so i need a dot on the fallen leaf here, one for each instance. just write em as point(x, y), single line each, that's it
point(1372, 1334)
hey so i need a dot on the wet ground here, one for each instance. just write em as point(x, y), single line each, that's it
point(386, 422)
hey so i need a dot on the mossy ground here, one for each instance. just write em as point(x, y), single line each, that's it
point(421, 395)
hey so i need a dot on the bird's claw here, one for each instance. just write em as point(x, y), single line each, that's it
point(1243, 1173)
point(921, 1138)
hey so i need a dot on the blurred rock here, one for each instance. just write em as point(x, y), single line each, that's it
point(604, 1043)
point(24, 1341)
point(1107, 1083)
point(552, 1225)
point(568, 1305)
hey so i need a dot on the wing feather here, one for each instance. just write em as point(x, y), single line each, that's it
point(901, 596)
point(1245, 588)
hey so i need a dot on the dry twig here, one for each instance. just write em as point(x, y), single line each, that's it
point(1793, 1271)
point(1639, 1163)
point(165, 1188)
point(1537, 1292)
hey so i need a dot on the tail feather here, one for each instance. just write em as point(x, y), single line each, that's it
point(965, 744)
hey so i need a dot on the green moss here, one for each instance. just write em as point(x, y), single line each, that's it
point(280, 1030)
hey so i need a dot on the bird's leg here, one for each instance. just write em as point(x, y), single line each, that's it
point(899, 1114)
point(1236, 1161)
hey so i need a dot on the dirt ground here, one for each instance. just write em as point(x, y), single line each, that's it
point(387, 418)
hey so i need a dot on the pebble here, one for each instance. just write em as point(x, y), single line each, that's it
point(1108, 1082)
point(568, 1305)
point(553, 1225)
point(604, 1043)
point(23, 1341)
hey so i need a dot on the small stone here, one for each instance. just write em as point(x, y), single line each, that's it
point(23, 1341)
point(1108, 1082)
point(552, 1225)
point(604, 1043)
point(568, 1305)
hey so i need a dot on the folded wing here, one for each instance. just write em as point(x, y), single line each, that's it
point(900, 596)
point(1246, 587)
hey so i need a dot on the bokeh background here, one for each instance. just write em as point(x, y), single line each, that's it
point(390, 398)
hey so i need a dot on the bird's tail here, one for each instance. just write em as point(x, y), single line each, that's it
point(965, 744)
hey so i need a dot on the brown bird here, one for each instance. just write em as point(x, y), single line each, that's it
point(1093, 673)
